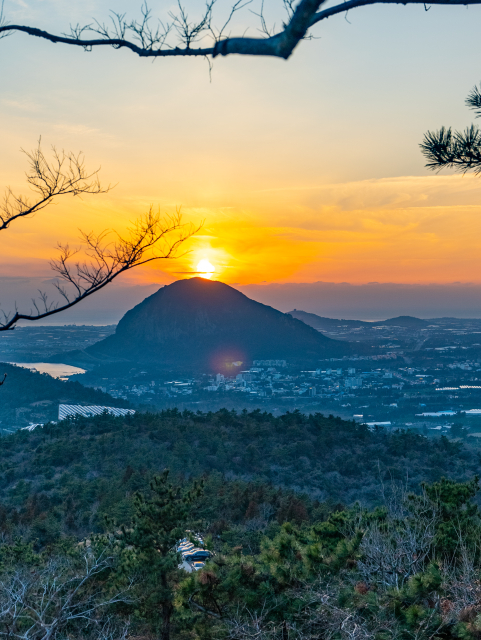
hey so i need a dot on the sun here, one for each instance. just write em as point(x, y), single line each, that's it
point(205, 269)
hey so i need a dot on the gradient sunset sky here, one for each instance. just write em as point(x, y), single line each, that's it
point(306, 170)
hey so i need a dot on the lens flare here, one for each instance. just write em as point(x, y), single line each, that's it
point(205, 269)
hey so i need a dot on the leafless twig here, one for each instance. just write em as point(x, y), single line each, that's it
point(45, 604)
point(106, 255)
point(147, 40)
point(149, 238)
point(398, 546)
point(64, 174)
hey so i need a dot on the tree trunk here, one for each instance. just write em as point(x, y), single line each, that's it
point(167, 611)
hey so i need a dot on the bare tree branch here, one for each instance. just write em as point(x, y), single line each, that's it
point(149, 238)
point(64, 174)
point(397, 548)
point(47, 603)
point(146, 40)
point(354, 4)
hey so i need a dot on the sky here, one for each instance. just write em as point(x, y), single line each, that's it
point(302, 171)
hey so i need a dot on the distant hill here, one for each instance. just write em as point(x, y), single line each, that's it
point(331, 324)
point(326, 324)
point(405, 321)
point(197, 323)
point(29, 396)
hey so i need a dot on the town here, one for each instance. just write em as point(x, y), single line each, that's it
point(422, 375)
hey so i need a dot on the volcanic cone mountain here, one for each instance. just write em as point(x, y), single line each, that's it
point(203, 324)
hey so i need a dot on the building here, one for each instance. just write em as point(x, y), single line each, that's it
point(371, 425)
point(72, 410)
point(269, 363)
point(353, 383)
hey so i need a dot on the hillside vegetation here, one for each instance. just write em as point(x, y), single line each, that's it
point(89, 521)
point(30, 396)
point(65, 478)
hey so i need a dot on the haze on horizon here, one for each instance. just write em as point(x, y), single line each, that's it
point(373, 301)
point(304, 171)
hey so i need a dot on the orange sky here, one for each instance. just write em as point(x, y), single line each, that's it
point(303, 171)
point(414, 229)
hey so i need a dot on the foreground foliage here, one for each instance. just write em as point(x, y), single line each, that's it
point(89, 525)
point(410, 568)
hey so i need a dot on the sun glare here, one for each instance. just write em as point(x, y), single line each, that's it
point(205, 269)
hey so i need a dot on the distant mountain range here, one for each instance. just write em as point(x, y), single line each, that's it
point(329, 324)
point(202, 324)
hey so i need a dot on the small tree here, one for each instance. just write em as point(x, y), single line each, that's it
point(459, 522)
point(148, 549)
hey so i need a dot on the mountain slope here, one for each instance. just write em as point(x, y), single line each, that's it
point(98, 463)
point(327, 324)
point(409, 322)
point(201, 323)
point(29, 396)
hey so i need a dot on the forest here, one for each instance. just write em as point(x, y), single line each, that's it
point(82, 470)
point(318, 528)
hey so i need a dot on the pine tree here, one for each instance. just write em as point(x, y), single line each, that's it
point(458, 517)
point(148, 549)
point(459, 150)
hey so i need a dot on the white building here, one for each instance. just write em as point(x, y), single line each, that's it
point(269, 363)
point(70, 410)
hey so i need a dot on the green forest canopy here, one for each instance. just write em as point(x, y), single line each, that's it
point(66, 477)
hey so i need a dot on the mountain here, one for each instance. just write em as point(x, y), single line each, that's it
point(198, 323)
point(329, 324)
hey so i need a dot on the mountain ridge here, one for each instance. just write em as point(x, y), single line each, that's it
point(321, 323)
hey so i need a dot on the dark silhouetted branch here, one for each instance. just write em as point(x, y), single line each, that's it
point(147, 41)
point(354, 4)
point(149, 238)
point(64, 174)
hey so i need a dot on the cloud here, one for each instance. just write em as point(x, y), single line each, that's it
point(21, 105)
point(406, 229)
point(401, 229)
point(76, 129)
